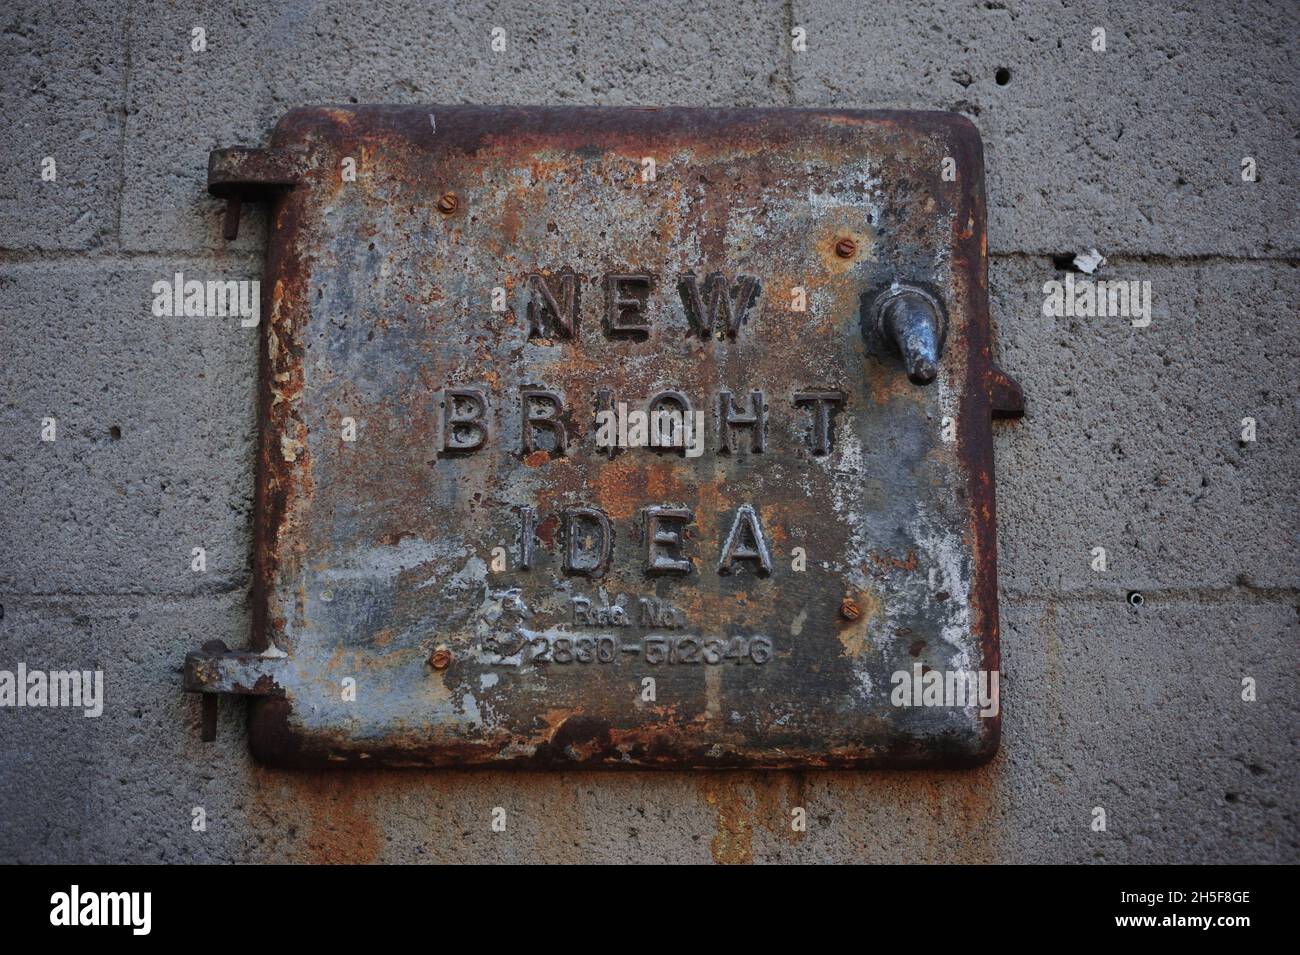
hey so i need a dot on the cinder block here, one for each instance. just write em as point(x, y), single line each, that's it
point(184, 103)
point(1134, 150)
point(394, 816)
point(62, 92)
point(121, 786)
point(155, 434)
point(270, 58)
point(1132, 438)
point(1140, 711)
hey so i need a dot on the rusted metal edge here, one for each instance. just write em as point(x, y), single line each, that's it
point(582, 744)
point(214, 669)
point(244, 170)
point(975, 436)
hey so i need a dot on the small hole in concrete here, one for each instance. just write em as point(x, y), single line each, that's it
point(1135, 598)
point(1063, 262)
point(115, 433)
point(1003, 76)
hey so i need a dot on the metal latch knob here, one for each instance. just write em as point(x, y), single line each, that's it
point(911, 320)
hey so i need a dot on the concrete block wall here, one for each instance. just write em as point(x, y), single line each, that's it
point(1131, 442)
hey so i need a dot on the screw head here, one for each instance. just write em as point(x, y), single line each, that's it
point(845, 248)
point(849, 609)
point(440, 658)
point(448, 203)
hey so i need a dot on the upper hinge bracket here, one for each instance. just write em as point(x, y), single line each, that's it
point(243, 172)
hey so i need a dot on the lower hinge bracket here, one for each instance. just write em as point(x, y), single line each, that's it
point(216, 669)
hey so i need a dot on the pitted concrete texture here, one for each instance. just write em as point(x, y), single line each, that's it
point(1135, 150)
point(1132, 441)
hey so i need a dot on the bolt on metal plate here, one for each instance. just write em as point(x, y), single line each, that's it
point(467, 554)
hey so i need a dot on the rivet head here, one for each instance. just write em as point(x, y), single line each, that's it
point(849, 610)
point(440, 658)
point(448, 203)
point(846, 248)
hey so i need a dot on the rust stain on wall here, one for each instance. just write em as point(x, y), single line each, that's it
point(965, 817)
point(733, 843)
point(336, 811)
point(743, 803)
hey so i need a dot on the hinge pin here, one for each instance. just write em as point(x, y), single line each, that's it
point(208, 731)
point(231, 228)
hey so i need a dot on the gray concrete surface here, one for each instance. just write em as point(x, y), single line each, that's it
point(1131, 441)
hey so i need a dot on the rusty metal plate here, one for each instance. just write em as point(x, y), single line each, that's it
point(452, 570)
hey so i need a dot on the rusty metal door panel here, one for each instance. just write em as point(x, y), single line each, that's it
point(496, 587)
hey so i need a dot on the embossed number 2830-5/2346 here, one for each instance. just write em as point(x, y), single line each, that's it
point(655, 649)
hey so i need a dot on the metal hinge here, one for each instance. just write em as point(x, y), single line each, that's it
point(241, 172)
point(217, 669)
point(235, 174)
